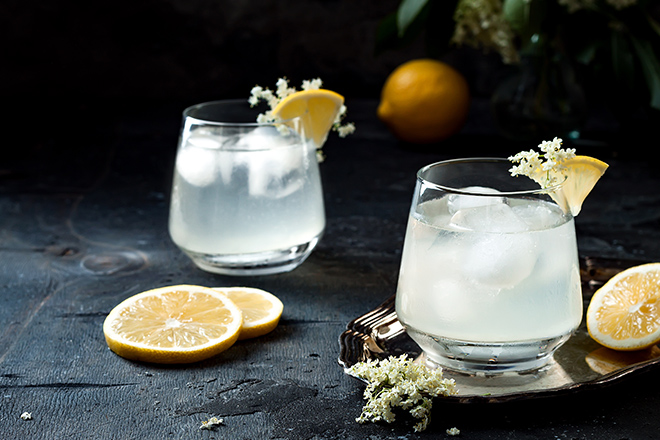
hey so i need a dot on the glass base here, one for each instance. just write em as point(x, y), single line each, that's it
point(487, 357)
point(258, 263)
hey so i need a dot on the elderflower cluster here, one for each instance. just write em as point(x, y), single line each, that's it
point(546, 172)
point(398, 382)
point(211, 423)
point(481, 24)
point(453, 431)
point(282, 90)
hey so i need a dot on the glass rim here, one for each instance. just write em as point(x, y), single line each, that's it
point(449, 189)
point(186, 115)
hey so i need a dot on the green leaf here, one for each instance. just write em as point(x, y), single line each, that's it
point(408, 11)
point(387, 35)
point(650, 68)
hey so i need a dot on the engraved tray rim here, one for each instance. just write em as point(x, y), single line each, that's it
point(362, 340)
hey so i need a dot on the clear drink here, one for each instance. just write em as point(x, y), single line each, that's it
point(488, 282)
point(246, 199)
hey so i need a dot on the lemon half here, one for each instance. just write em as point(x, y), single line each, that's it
point(624, 314)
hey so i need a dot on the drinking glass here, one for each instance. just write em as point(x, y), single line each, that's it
point(489, 278)
point(246, 196)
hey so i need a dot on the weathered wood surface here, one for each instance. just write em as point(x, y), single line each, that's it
point(85, 226)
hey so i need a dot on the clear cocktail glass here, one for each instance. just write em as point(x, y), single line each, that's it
point(489, 277)
point(246, 196)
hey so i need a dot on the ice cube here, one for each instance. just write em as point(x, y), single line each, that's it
point(456, 202)
point(497, 249)
point(539, 216)
point(204, 141)
point(196, 163)
point(496, 217)
point(258, 173)
point(277, 172)
point(262, 138)
point(500, 260)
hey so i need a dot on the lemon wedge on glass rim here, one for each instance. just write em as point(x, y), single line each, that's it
point(581, 175)
point(319, 109)
point(173, 325)
point(261, 310)
point(624, 314)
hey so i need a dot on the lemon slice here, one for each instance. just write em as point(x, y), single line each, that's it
point(624, 314)
point(261, 310)
point(582, 173)
point(171, 325)
point(319, 109)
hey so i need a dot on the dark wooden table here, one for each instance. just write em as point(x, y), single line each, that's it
point(83, 225)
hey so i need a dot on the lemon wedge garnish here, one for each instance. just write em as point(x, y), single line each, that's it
point(261, 310)
point(319, 109)
point(581, 174)
point(624, 314)
point(175, 324)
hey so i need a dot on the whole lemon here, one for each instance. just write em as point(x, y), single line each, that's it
point(424, 101)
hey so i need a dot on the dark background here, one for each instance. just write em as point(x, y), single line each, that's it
point(71, 71)
point(71, 56)
point(92, 94)
point(68, 68)
point(184, 51)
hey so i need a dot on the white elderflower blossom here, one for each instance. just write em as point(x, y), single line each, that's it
point(346, 129)
point(26, 416)
point(531, 163)
point(312, 84)
point(283, 90)
point(399, 382)
point(211, 423)
point(453, 431)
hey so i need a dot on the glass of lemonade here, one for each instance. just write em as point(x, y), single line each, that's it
point(489, 277)
point(246, 196)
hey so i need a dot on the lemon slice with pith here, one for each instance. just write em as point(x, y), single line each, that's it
point(261, 310)
point(175, 324)
point(319, 109)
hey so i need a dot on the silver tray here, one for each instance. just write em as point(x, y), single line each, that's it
point(579, 364)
